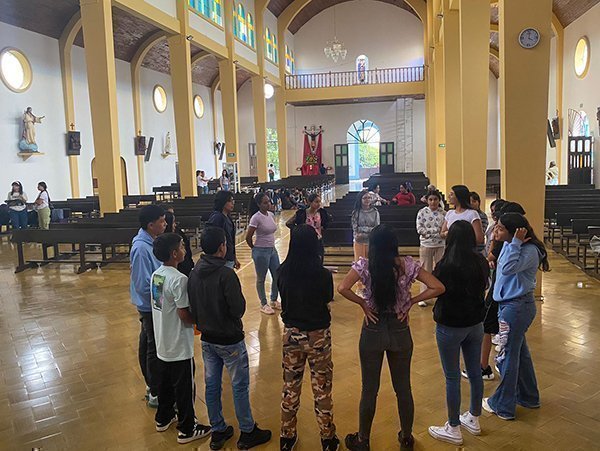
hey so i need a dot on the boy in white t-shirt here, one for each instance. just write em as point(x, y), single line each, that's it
point(174, 336)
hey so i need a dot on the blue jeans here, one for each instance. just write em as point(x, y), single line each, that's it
point(202, 189)
point(235, 359)
point(450, 341)
point(518, 385)
point(230, 264)
point(18, 219)
point(265, 259)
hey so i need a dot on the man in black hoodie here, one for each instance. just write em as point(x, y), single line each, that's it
point(218, 305)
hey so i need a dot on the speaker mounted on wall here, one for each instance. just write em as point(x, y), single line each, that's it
point(73, 143)
point(149, 149)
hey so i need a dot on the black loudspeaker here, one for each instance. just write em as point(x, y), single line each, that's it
point(149, 150)
point(550, 136)
point(140, 145)
point(73, 143)
point(219, 150)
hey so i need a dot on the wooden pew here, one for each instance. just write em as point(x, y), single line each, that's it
point(76, 237)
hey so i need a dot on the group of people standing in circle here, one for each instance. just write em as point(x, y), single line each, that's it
point(482, 277)
point(17, 206)
point(457, 273)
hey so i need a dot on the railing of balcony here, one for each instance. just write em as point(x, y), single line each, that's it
point(354, 78)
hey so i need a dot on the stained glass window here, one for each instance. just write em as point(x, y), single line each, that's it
point(216, 14)
point(251, 34)
point(241, 20)
point(290, 63)
point(275, 50)
point(269, 44)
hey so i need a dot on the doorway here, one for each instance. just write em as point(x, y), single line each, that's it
point(340, 153)
point(363, 140)
point(123, 177)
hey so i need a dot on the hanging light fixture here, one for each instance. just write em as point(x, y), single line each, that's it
point(335, 49)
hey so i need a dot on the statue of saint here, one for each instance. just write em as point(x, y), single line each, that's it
point(168, 143)
point(27, 142)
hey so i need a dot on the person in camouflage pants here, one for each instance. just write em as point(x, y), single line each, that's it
point(298, 347)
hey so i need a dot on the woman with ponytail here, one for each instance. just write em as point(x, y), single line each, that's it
point(265, 257)
point(387, 278)
point(42, 206)
point(521, 257)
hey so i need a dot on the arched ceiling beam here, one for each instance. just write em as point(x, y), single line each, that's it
point(199, 57)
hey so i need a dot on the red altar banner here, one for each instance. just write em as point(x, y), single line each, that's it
point(311, 160)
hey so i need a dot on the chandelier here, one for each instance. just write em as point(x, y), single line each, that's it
point(335, 49)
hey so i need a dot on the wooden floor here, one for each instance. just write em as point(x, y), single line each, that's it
point(70, 377)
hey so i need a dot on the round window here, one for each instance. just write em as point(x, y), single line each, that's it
point(198, 107)
point(159, 97)
point(15, 70)
point(582, 57)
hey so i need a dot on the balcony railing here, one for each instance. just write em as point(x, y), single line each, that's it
point(355, 78)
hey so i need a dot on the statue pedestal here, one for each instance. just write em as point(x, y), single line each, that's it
point(26, 155)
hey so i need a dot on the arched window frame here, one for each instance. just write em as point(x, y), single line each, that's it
point(241, 23)
point(216, 14)
point(251, 32)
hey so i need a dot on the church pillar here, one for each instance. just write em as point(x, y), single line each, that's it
point(452, 104)
point(183, 98)
point(524, 80)
point(260, 125)
point(97, 23)
point(430, 97)
point(280, 112)
point(230, 116)
point(474, 64)
point(440, 117)
point(227, 76)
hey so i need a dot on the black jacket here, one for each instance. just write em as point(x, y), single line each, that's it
point(216, 301)
point(218, 219)
point(300, 217)
point(186, 266)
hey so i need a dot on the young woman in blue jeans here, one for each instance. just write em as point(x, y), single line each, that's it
point(459, 316)
point(265, 257)
point(387, 278)
point(521, 257)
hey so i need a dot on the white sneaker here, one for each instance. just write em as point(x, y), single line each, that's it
point(496, 339)
point(422, 304)
point(267, 310)
point(487, 408)
point(152, 401)
point(447, 433)
point(470, 423)
point(276, 305)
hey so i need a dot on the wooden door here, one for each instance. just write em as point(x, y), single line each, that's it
point(580, 160)
point(386, 158)
point(340, 152)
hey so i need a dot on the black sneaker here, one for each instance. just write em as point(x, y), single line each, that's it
point(251, 439)
point(406, 443)
point(354, 443)
point(330, 444)
point(162, 427)
point(287, 444)
point(199, 431)
point(218, 439)
point(486, 374)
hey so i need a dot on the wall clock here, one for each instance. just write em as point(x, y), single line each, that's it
point(529, 38)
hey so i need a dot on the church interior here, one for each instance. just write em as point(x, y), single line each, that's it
point(114, 105)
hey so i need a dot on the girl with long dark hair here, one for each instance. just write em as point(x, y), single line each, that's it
point(387, 278)
point(224, 180)
point(42, 206)
point(365, 217)
point(265, 257)
point(306, 289)
point(460, 197)
point(459, 314)
point(186, 266)
point(521, 257)
point(315, 216)
point(17, 206)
